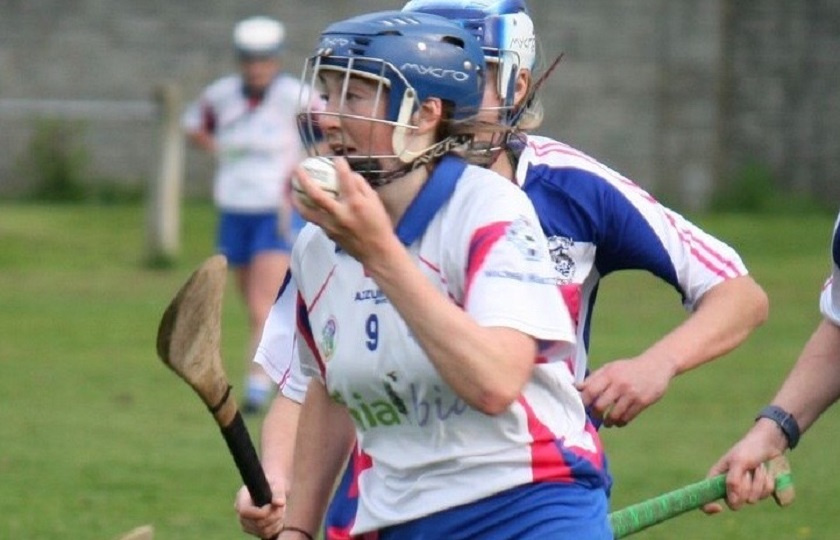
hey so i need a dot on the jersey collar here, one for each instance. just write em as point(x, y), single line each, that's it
point(432, 196)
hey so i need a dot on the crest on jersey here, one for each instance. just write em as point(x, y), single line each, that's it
point(328, 334)
point(558, 248)
point(522, 234)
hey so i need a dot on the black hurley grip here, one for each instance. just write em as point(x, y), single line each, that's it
point(245, 456)
point(243, 452)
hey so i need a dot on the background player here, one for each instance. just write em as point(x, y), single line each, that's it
point(597, 221)
point(809, 389)
point(247, 121)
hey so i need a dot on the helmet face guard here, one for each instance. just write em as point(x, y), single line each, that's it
point(379, 75)
point(409, 58)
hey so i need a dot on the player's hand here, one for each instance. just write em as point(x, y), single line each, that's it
point(617, 392)
point(356, 220)
point(747, 480)
point(262, 522)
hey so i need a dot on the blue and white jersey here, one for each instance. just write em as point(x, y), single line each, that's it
point(830, 297)
point(257, 140)
point(476, 237)
point(598, 221)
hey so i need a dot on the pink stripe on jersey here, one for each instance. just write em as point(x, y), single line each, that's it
point(689, 239)
point(284, 378)
point(547, 462)
point(481, 243)
point(556, 147)
point(436, 269)
point(321, 290)
point(571, 296)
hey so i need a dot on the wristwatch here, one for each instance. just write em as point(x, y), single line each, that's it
point(786, 422)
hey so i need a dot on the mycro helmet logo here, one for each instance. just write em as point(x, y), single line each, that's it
point(440, 73)
point(332, 42)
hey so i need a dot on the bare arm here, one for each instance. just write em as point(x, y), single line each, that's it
point(279, 431)
point(325, 438)
point(812, 385)
point(724, 318)
point(487, 367)
point(278, 438)
point(814, 382)
point(203, 140)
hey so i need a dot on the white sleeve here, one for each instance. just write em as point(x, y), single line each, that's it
point(306, 362)
point(507, 257)
point(294, 387)
point(830, 297)
point(276, 350)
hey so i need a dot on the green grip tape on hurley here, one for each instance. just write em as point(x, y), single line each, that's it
point(640, 516)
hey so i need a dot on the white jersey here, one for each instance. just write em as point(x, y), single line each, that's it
point(257, 140)
point(477, 239)
point(830, 297)
point(597, 222)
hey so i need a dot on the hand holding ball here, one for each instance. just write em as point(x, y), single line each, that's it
point(322, 172)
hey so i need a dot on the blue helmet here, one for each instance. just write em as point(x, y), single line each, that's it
point(413, 57)
point(503, 28)
point(420, 53)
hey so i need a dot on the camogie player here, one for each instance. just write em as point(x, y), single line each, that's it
point(810, 388)
point(480, 435)
point(597, 221)
point(247, 121)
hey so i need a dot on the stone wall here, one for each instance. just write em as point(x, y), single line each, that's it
point(676, 95)
point(782, 94)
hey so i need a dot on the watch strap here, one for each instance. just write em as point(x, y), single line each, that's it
point(786, 422)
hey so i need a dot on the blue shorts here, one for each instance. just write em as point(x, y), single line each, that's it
point(240, 237)
point(532, 511)
point(529, 512)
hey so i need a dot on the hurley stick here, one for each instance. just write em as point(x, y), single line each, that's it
point(642, 515)
point(188, 342)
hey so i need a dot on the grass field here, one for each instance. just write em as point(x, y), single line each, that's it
point(97, 436)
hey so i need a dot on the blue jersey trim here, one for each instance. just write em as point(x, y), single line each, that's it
point(584, 207)
point(286, 280)
point(835, 249)
point(432, 196)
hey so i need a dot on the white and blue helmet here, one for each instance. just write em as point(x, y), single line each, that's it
point(503, 28)
point(413, 57)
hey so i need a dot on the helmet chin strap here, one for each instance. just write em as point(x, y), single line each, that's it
point(405, 136)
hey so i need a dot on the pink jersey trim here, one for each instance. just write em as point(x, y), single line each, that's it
point(686, 237)
point(481, 244)
point(547, 461)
